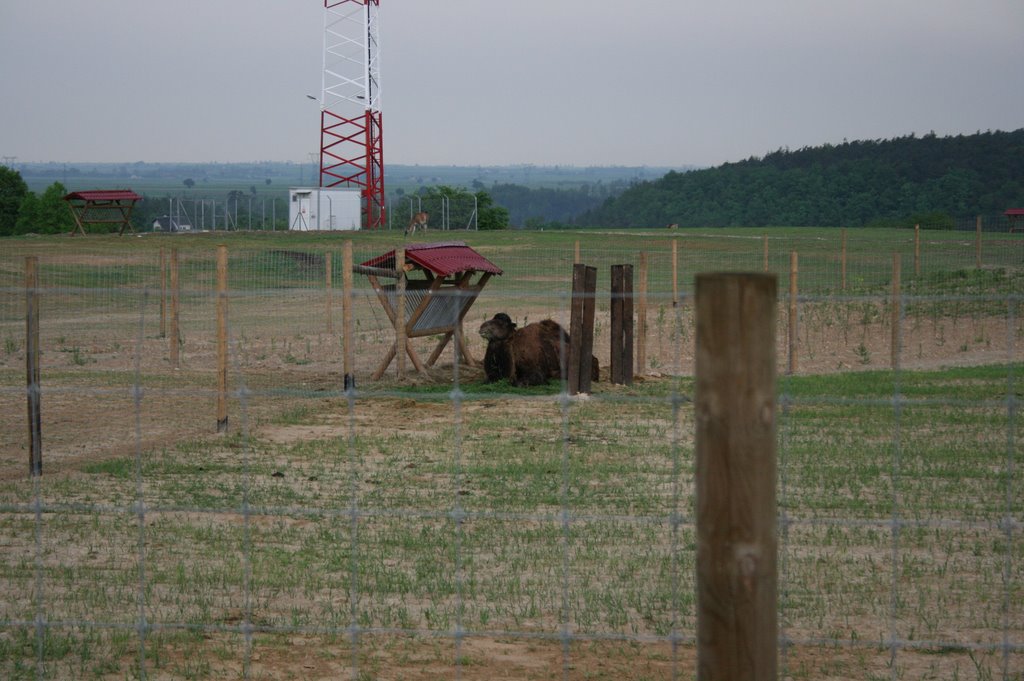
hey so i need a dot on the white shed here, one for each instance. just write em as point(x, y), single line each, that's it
point(317, 208)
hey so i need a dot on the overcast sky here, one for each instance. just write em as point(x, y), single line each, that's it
point(489, 82)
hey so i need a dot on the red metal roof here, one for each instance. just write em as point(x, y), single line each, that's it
point(104, 195)
point(442, 258)
point(1014, 212)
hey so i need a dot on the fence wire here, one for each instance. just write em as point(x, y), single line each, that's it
point(432, 525)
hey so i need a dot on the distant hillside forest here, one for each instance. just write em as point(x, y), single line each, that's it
point(926, 179)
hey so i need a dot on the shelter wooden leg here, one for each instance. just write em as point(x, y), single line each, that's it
point(384, 364)
point(439, 349)
point(467, 356)
point(414, 357)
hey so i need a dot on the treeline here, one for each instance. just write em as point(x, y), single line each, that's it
point(25, 212)
point(547, 207)
point(880, 182)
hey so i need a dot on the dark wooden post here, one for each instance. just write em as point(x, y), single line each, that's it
point(222, 338)
point(347, 332)
point(581, 328)
point(736, 477)
point(622, 325)
point(33, 393)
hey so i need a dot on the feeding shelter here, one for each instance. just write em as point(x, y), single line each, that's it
point(102, 206)
point(1015, 216)
point(435, 284)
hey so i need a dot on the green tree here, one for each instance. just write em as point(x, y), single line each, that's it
point(489, 215)
point(457, 204)
point(13, 191)
point(45, 214)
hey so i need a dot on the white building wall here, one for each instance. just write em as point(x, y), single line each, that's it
point(318, 209)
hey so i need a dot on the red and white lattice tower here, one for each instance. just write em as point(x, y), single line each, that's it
point(351, 141)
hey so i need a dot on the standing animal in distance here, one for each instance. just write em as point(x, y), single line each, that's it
point(531, 355)
point(417, 220)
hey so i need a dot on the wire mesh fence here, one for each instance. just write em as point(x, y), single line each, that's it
point(432, 525)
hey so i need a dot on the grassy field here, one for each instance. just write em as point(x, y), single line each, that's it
point(433, 526)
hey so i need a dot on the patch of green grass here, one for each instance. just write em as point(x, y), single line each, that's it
point(118, 468)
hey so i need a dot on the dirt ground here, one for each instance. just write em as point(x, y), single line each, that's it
point(89, 400)
point(93, 412)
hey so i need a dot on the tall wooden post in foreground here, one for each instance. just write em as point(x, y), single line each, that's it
point(222, 339)
point(35, 427)
point(735, 477)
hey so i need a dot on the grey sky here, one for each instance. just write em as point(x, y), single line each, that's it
point(466, 82)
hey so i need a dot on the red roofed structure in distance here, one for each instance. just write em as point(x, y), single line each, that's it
point(102, 206)
point(434, 302)
point(442, 259)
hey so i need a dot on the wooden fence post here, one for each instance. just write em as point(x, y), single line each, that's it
point(977, 242)
point(793, 311)
point(222, 338)
point(896, 312)
point(581, 328)
point(33, 392)
point(400, 312)
point(347, 332)
point(622, 325)
point(675, 272)
point(163, 293)
point(917, 250)
point(328, 290)
point(175, 338)
point(842, 256)
point(736, 477)
point(576, 253)
point(641, 317)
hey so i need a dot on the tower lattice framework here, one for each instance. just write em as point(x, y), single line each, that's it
point(351, 127)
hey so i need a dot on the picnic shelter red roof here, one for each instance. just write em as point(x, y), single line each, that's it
point(103, 195)
point(1014, 212)
point(442, 258)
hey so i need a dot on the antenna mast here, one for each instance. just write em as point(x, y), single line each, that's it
point(351, 141)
